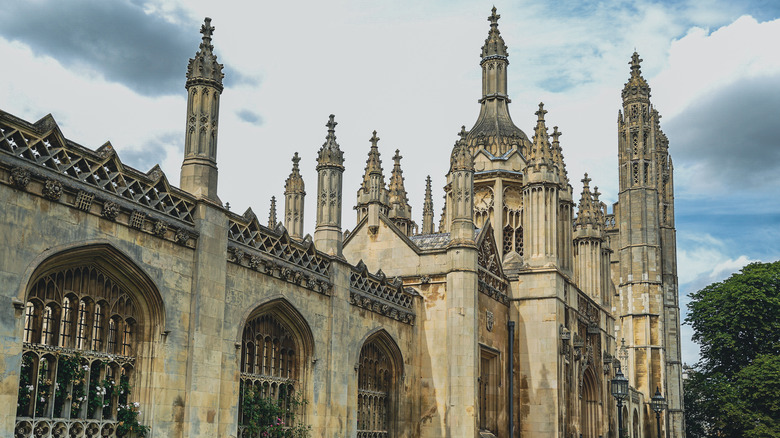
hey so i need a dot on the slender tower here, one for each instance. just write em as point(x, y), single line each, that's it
point(588, 241)
point(646, 251)
point(540, 200)
point(330, 170)
point(294, 194)
point(204, 86)
point(565, 206)
point(427, 224)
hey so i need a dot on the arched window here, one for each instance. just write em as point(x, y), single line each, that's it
point(377, 373)
point(71, 380)
point(97, 329)
point(270, 373)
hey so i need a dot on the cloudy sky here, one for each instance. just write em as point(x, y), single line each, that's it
point(114, 71)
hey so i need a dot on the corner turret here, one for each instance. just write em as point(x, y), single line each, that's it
point(294, 194)
point(330, 174)
point(204, 87)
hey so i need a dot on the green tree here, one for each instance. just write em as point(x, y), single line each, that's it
point(734, 390)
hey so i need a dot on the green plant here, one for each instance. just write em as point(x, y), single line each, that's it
point(127, 413)
point(25, 387)
point(268, 418)
point(69, 370)
point(96, 391)
point(44, 388)
point(127, 420)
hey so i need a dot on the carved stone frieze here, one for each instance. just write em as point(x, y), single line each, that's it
point(279, 270)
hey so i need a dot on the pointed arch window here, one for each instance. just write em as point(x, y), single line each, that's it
point(270, 368)
point(378, 368)
point(70, 376)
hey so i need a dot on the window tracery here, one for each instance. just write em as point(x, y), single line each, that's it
point(67, 389)
point(374, 385)
point(270, 368)
point(513, 220)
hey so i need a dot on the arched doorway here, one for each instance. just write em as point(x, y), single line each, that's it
point(590, 406)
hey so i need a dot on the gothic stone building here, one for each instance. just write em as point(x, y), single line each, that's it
point(508, 321)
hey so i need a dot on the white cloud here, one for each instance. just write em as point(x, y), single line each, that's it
point(703, 61)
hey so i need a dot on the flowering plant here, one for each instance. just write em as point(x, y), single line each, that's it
point(268, 418)
point(127, 420)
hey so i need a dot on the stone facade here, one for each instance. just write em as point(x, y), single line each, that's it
point(510, 321)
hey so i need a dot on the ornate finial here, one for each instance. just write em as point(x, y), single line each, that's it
point(541, 112)
point(556, 133)
point(493, 18)
point(397, 157)
point(494, 44)
point(272, 213)
point(585, 181)
point(463, 132)
point(207, 30)
point(634, 63)
point(596, 193)
point(204, 65)
point(330, 154)
point(374, 140)
point(294, 182)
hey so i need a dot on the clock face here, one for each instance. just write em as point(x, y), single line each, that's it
point(483, 199)
point(513, 199)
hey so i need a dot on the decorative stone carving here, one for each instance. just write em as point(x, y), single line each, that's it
point(182, 236)
point(110, 210)
point(20, 177)
point(159, 228)
point(52, 189)
point(490, 319)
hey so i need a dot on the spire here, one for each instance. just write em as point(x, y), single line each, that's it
point(461, 158)
point(330, 155)
point(541, 155)
point(294, 182)
point(494, 44)
point(587, 213)
point(494, 130)
point(294, 194)
point(557, 156)
point(373, 189)
point(204, 68)
point(399, 202)
point(400, 210)
point(427, 224)
point(272, 213)
point(373, 164)
point(636, 87)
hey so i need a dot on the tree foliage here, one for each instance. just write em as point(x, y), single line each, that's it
point(733, 390)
